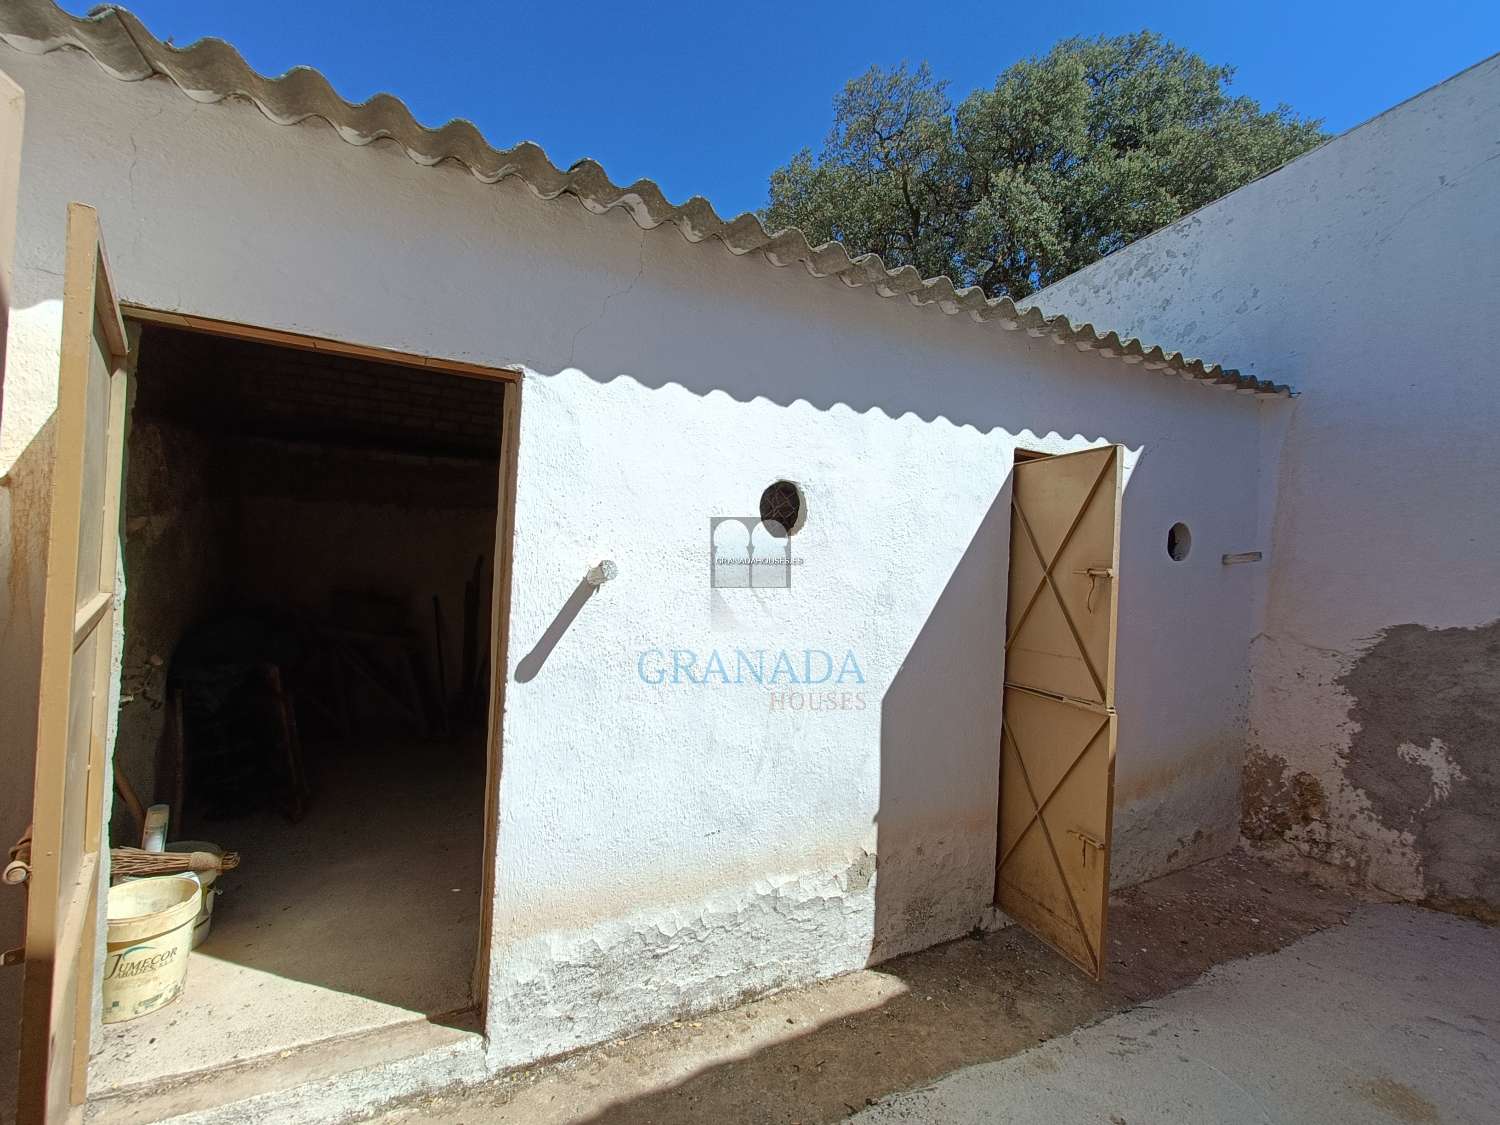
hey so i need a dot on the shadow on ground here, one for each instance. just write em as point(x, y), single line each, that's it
point(811, 1055)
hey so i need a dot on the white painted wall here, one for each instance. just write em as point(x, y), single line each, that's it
point(667, 848)
point(1366, 274)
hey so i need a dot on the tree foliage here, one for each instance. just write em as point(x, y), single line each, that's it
point(1068, 157)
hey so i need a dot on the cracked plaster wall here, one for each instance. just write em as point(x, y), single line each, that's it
point(1362, 274)
point(668, 848)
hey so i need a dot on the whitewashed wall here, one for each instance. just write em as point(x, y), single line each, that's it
point(664, 848)
point(1367, 273)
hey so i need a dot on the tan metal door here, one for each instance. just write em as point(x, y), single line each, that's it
point(77, 633)
point(1057, 757)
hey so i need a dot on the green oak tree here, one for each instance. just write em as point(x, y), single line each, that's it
point(1069, 156)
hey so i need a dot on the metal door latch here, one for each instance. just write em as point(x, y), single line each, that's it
point(1096, 575)
point(1087, 841)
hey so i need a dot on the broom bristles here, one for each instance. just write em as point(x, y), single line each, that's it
point(134, 861)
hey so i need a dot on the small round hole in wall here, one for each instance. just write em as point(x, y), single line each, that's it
point(1179, 541)
point(783, 505)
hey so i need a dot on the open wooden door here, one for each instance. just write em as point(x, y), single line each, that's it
point(1057, 757)
point(77, 639)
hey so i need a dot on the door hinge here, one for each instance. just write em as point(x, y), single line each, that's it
point(18, 870)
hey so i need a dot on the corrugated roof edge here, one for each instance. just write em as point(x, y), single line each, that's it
point(210, 70)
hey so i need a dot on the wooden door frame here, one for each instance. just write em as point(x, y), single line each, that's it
point(57, 932)
point(500, 596)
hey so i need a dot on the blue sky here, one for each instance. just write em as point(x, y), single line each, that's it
point(708, 98)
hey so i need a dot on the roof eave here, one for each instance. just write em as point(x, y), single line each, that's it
point(211, 70)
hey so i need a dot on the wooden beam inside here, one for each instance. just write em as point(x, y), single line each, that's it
point(239, 331)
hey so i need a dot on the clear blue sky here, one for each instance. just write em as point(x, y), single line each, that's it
point(707, 98)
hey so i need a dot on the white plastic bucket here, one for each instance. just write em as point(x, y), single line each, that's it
point(148, 935)
point(205, 879)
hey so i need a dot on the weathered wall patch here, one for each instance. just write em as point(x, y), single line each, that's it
point(1426, 752)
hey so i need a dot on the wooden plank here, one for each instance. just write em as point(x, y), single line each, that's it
point(106, 307)
point(75, 914)
point(322, 344)
point(89, 614)
point(45, 886)
point(1085, 704)
point(505, 532)
point(72, 709)
point(44, 920)
point(85, 968)
point(1059, 723)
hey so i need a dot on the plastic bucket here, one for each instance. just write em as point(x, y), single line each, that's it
point(205, 879)
point(148, 935)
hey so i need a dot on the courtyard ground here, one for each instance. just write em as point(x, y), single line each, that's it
point(1394, 1017)
point(1388, 1014)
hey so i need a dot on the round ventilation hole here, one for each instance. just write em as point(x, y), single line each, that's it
point(1179, 541)
point(782, 507)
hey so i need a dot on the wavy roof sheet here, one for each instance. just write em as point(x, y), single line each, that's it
point(210, 70)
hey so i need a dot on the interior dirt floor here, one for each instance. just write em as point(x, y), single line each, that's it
point(365, 914)
point(824, 1052)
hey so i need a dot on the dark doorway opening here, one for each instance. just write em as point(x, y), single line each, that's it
point(309, 551)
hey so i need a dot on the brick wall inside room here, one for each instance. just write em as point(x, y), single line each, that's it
point(241, 387)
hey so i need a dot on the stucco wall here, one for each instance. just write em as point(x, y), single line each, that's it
point(666, 847)
point(1360, 274)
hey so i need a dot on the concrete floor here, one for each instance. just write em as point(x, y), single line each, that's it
point(818, 1054)
point(1394, 1017)
point(363, 915)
